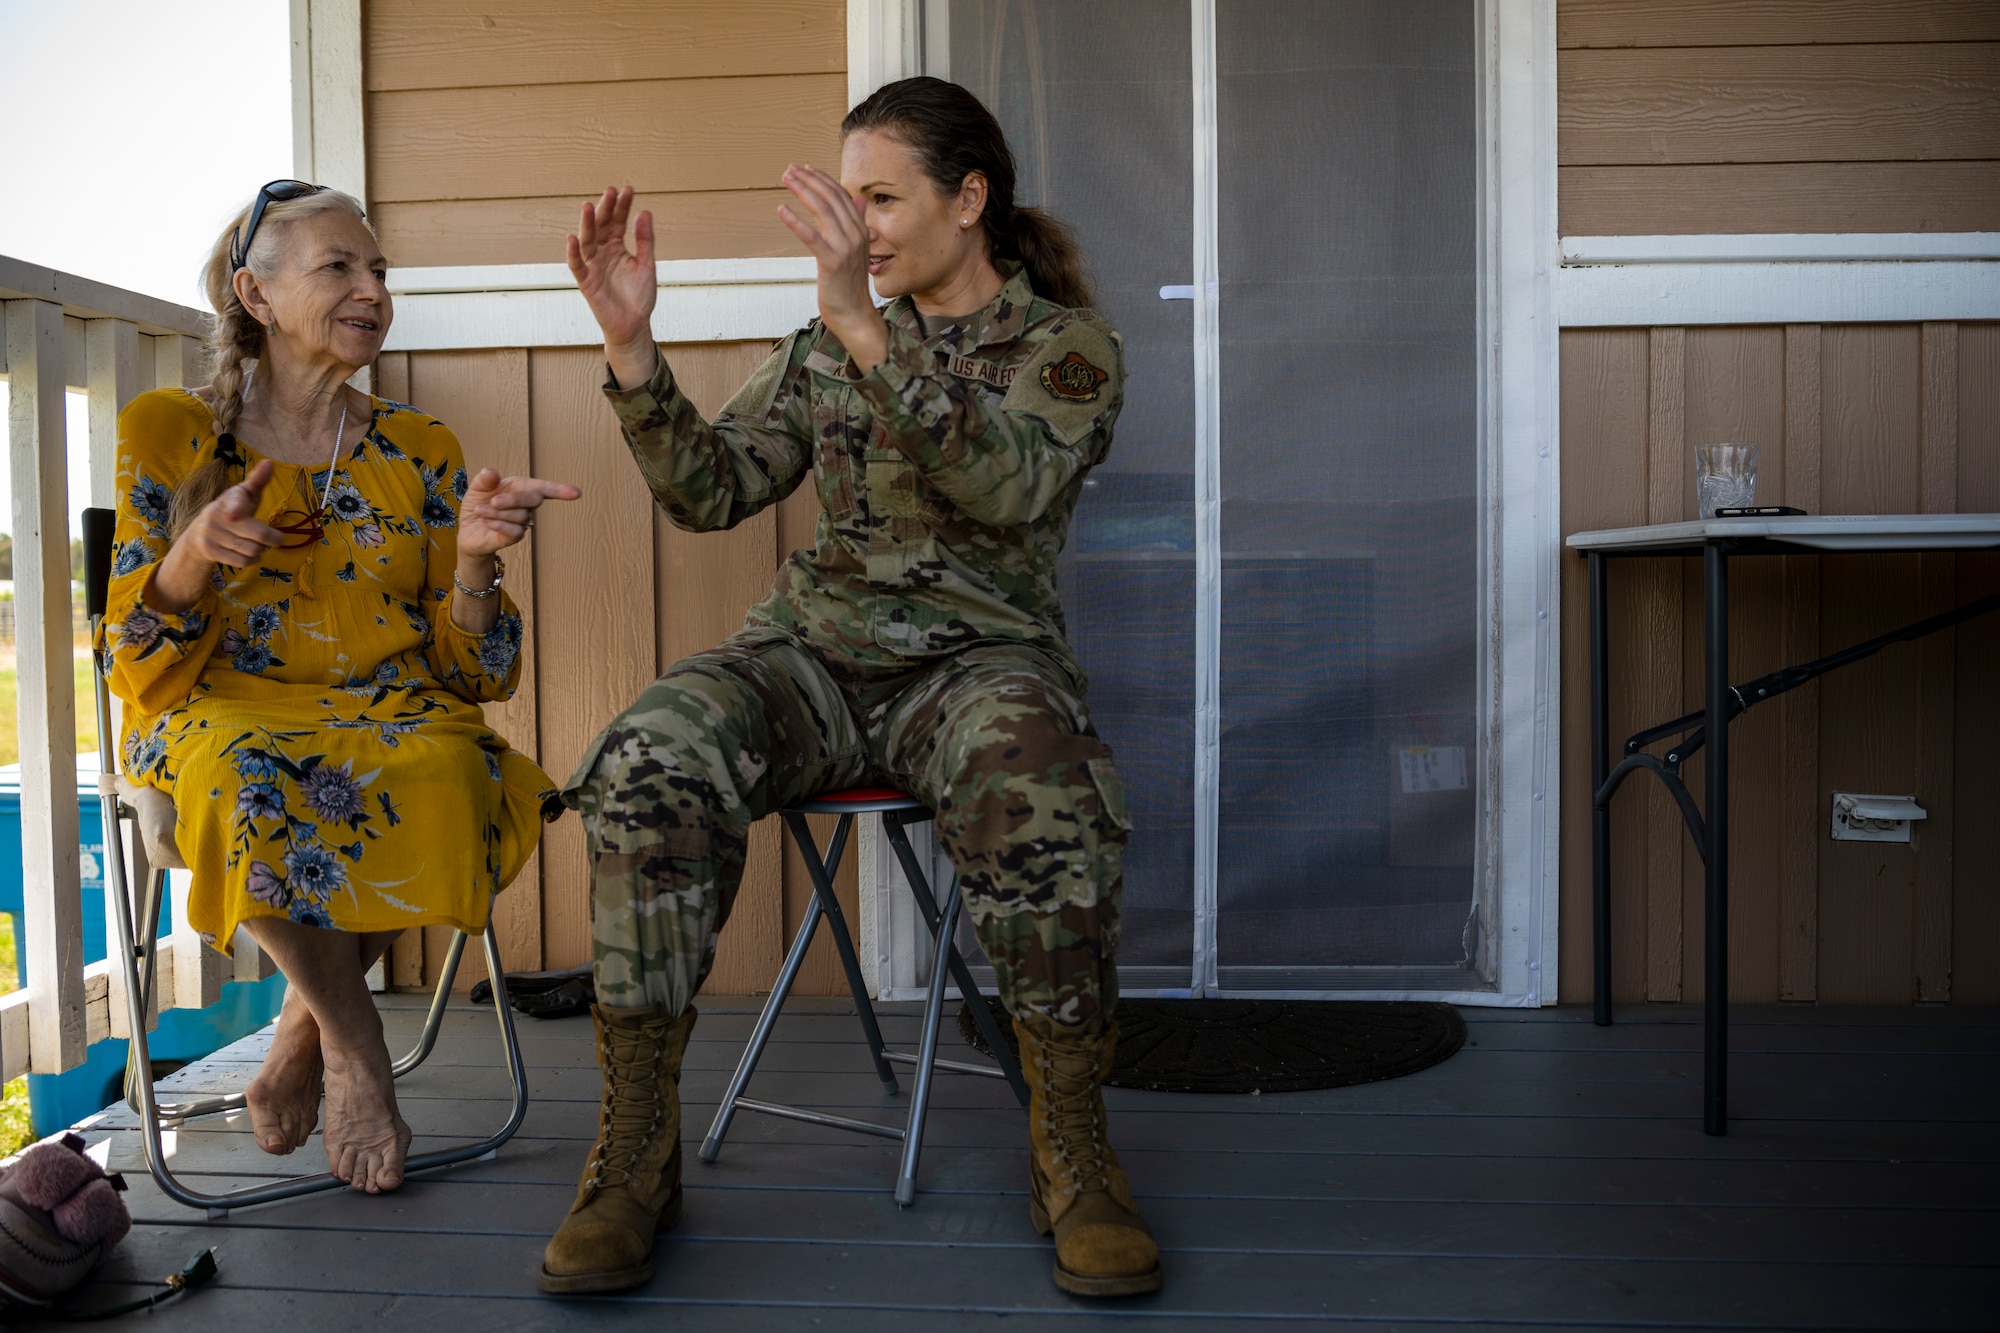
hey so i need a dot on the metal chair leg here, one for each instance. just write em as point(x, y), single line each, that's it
point(920, 1098)
point(131, 943)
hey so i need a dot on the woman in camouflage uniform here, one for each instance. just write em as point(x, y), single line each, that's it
point(919, 642)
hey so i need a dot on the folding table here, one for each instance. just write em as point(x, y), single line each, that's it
point(1715, 541)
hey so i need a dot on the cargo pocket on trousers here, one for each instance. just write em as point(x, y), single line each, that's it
point(1110, 791)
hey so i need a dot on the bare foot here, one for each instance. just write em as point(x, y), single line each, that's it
point(366, 1140)
point(284, 1097)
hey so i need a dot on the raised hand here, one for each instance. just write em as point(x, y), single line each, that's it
point(620, 284)
point(226, 532)
point(835, 230)
point(496, 512)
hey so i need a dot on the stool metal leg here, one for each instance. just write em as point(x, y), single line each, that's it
point(947, 963)
point(982, 1016)
point(920, 1099)
point(718, 1128)
point(825, 903)
point(821, 873)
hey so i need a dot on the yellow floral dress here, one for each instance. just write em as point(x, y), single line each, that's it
point(316, 717)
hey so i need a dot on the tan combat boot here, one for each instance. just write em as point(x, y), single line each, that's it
point(1103, 1247)
point(631, 1186)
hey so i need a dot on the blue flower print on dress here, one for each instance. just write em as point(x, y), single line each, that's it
point(151, 500)
point(264, 620)
point(253, 658)
point(260, 800)
point(132, 555)
point(257, 765)
point(309, 914)
point(146, 754)
point(347, 504)
point(499, 646)
point(313, 872)
point(438, 511)
point(460, 483)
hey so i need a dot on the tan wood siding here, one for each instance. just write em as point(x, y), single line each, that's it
point(488, 124)
point(498, 43)
point(1849, 419)
point(1781, 116)
point(692, 224)
point(1614, 23)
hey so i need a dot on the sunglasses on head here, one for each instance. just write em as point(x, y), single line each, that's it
point(275, 192)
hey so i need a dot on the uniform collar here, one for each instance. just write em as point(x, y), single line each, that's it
point(1001, 320)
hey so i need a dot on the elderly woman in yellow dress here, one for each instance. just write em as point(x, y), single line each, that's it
point(305, 613)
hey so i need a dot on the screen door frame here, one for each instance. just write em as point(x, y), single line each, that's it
point(1516, 866)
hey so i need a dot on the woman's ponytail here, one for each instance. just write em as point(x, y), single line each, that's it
point(1047, 248)
point(954, 135)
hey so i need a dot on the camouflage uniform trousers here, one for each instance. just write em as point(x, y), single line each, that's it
point(995, 739)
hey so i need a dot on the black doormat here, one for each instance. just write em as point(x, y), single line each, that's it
point(1263, 1045)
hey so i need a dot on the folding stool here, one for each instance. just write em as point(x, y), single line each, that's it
point(151, 811)
point(897, 810)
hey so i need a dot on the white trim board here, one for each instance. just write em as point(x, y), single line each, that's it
point(1803, 292)
point(329, 141)
point(538, 305)
point(1794, 247)
point(1832, 278)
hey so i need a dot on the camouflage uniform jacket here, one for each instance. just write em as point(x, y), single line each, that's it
point(947, 475)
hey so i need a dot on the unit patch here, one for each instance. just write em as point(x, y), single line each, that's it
point(985, 371)
point(1073, 379)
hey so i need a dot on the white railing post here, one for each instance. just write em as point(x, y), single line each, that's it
point(114, 382)
point(52, 932)
point(177, 361)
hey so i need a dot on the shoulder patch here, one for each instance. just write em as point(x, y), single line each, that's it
point(1073, 378)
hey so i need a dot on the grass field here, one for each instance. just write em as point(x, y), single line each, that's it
point(15, 1131)
point(10, 710)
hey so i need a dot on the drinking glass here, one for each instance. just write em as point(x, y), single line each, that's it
point(1725, 475)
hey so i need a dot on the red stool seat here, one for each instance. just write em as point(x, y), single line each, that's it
point(858, 801)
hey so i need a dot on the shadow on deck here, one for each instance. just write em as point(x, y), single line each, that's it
point(1551, 1174)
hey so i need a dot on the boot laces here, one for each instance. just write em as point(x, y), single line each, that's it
point(632, 1110)
point(1073, 1119)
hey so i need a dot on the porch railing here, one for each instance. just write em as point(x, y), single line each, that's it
point(67, 333)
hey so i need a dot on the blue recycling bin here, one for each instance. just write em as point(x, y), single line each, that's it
point(57, 1101)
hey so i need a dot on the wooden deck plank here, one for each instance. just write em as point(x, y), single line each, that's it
point(1552, 1174)
point(1639, 1228)
point(1011, 1275)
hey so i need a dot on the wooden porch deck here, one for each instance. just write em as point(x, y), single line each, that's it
point(1552, 1174)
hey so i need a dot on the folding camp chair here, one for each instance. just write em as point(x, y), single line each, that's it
point(137, 945)
point(896, 809)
